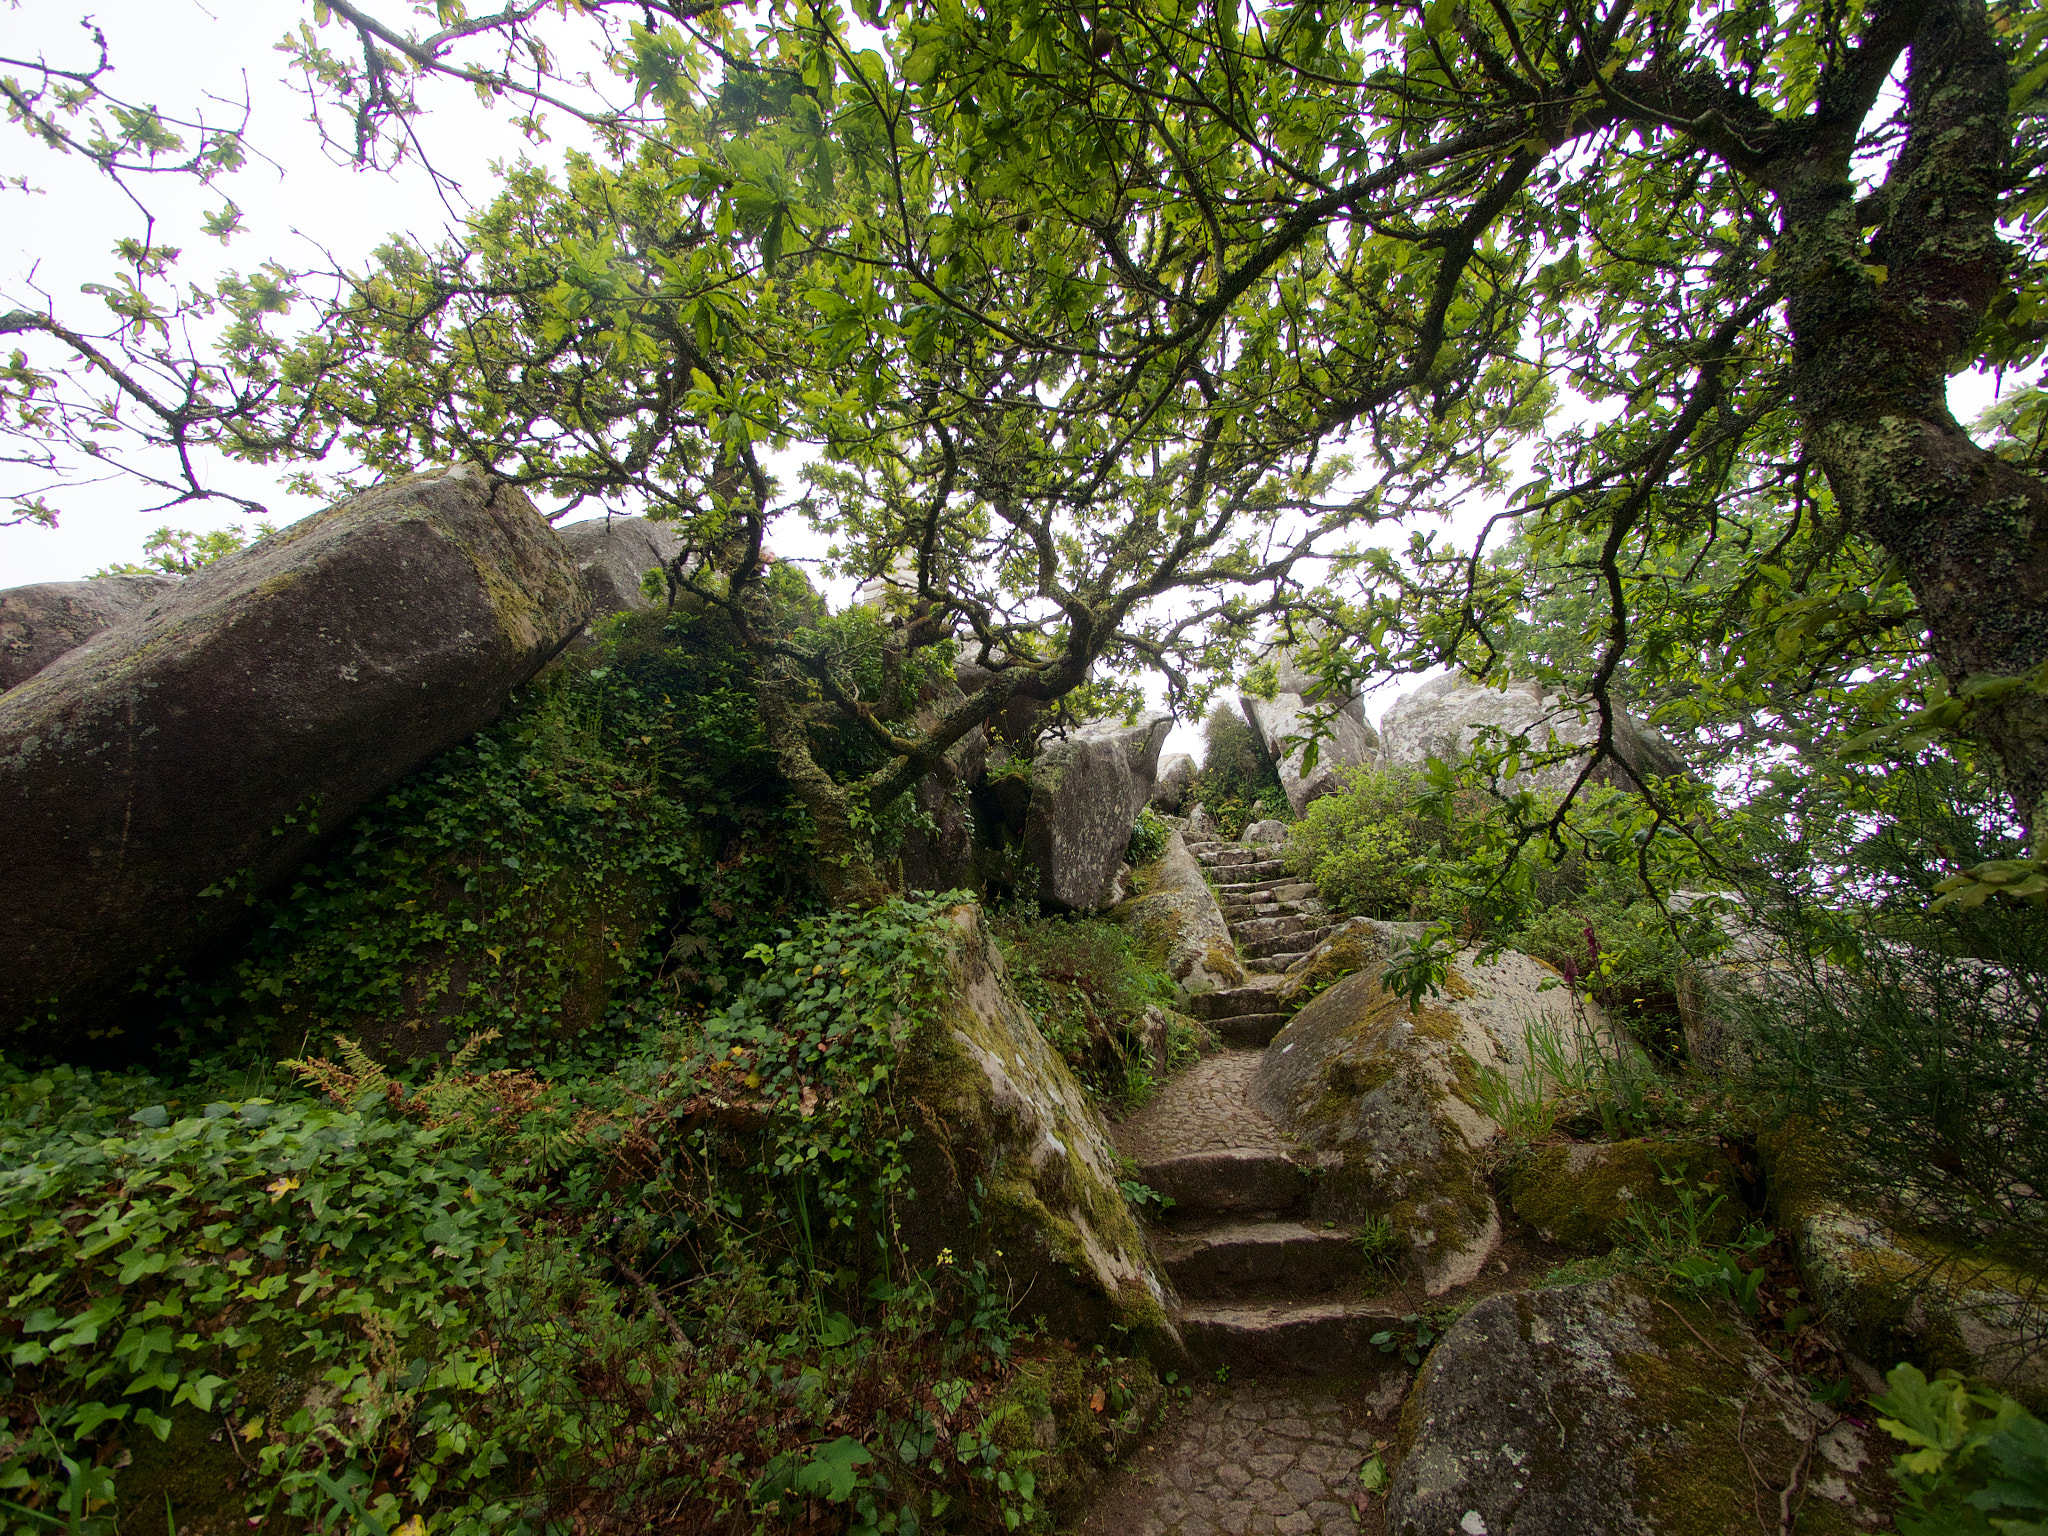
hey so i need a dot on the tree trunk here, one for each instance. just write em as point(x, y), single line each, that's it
point(1877, 330)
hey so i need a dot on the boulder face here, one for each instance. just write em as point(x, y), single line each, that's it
point(1086, 792)
point(1442, 717)
point(613, 554)
point(40, 623)
point(1392, 1093)
point(1604, 1410)
point(1170, 789)
point(1011, 1163)
point(196, 753)
point(1178, 924)
point(1351, 744)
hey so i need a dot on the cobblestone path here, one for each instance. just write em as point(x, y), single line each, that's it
point(1272, 1458)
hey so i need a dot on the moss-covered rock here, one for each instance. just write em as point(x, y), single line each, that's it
point(1012, 1165)
point(1178, 925)
point(203, 749)
point(1355, 945)
point(1580, 1195)
point(1392, 1092)
point(1603, 1409)
point(1894, 1294)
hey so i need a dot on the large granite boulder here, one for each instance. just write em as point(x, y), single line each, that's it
point(1086, 792)
point(195, 754)
point(1011, 1163)
point(1280, 720)
point(40, 623)
point(1176, 777)
point(1603, 1409)
point(1443, 717)
point(1179, 925)
point(1392, 1094)
point(613, 554)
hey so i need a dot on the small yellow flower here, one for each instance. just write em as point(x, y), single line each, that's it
point(945, 1256)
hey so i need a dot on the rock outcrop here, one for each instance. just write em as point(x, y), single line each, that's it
point(1442, 718)
point(1018, 1169)
point(1393, 1092)
point(1179, 925)
point(1604, 1410)
point(1086, 792)
point(613, 554)
point(1349, 743)
point(40, 623)
point(1170, 789)
point(192, 756)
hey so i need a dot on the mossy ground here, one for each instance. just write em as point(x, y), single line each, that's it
point(1581, 1195)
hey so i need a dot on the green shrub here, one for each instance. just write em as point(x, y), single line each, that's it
point(1088, 991)
point(609, 848)
point(1237, 786)
point(1623, 953)
point(1979, 1460)
point(1917, 1038)
point(1148, 837)
point(1360, 843)
point(486, 1302)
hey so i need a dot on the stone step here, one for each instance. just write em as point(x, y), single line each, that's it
point(1230, 856)
point(1265, 901)
point(1279, 885)
point(1272, 965)
point(1230, 1001)
point(1253, 870)
point(1297, 943)
point(1250, 1031)
point(1258, 930)
point(1237, 1258)
point(1237, 1180)
point(1299, 1338)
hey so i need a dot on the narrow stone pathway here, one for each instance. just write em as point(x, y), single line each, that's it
point(1270, 1301)
point(1259, 1459)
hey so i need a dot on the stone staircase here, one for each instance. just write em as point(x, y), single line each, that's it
point(1274, 916)
point(1263, 1289)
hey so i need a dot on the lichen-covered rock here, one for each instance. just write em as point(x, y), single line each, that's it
point(1580, 1195)
point(1442, 718)
point(1011, 1163)
point(40, 623)
point(1393, 1092)
point(1170, 789)
point(1178, 924)
point(1264, 834)
point(1896, 1295)
point(195, 754)
point(1086, 792)
point(1605, 1410)
point(1350, 743)
point(1355, 944)
point(613, 554)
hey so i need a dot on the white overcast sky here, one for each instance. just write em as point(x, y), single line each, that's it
point(175, 54)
